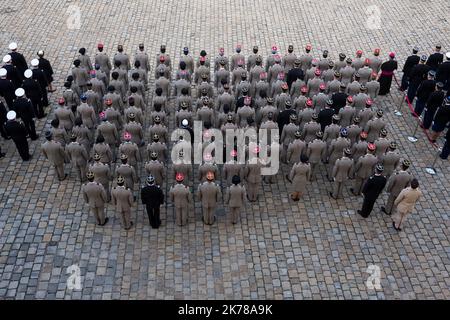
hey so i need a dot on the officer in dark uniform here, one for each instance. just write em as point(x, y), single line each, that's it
point(410, 62)
point(443, 72)
point(25, 111)
point(326, 115)
point(3, 119)
point(417, 75)
point(371, 190)
point(34, 93)
point(46, 67)
point(339, 98)
point(12, 71)
point(18, 59)
point(18, 133)
point(435, 59)
point(295, 73)
point(39, 75)
point(284, 116)
point(153, 197)
point(6, 88)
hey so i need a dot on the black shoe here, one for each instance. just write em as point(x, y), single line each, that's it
point(134, 198)
point(2, 155)
point(443, 158)
point(383, 209)
point(360, 213)
point(287, 178)
point(131, 224)
point(65, 177)
point(106, 221)
point(331, 195)
point(398, 229)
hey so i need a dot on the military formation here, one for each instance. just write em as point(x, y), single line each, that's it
point(324, 113)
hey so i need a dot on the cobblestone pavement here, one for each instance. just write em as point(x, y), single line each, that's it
point(316, 248)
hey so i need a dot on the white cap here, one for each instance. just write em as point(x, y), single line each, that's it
point(3, 72)
point(448, 55)
point(40, 53)
point(20, 92)
point(11, 115)
point(7, 58)
point(12, 46)
point(28, 73)
point(34, 62)
point(184, 122)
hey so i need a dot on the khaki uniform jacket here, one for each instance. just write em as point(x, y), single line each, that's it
point(407, 199)
point(132, 151)
point(232, 168)
point(398, 181)
point(102, 59)
point(143, 59)
point(54, 152)
point(300, 175)
point(295, 149)
point(128, 173)
point(189, 62)
point(77, 153)
point(102, 173)
point(109, 132)
point(124, 59)
point(104, 150)
point(252, 172)
point(365, 166)
point(373, 128)
point(209, 194)
point(122, 198)
point(180, 195)
point(87, 115)
point(390, 161)
point(80, 76)
point(65, 117)
point(235, 196)
point(94, 194)
point(156, 169)
point(346, 113)
point(342, 169)
point(137, 134)
point(316, 151)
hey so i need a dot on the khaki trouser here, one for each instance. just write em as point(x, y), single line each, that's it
point(337, 189)
point(359, 183)
point(252, 191)
point(399, 218)
point(99, 213)
point(284, 153)
point(60, 170)
point(208, 215)
point(390, 202)
point(126, 218)
point(81, 170)
point(181, 215)
point(235, 214)
point(313, 167)
point(108, 192)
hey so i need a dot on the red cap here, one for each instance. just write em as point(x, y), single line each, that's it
point(256, 150)
point(233, 153)
point(308, 47)
point(127, 135)
point(376, 51)
point(309, 102)
point(304, 89)
point(284, 86)
point(263, 75)
point(359, 53)
point(179, 177)
point(317, 72)
point(274, 48)
point(61, 101)
point(392, 54)
point(162, 58)
point(322, 86)
point(93, 72)
point(202, 59)
point(221, 50)
point(100, 45)
point(102, 115)
point(206, 134)
point(363, 134)
point(369, 102)
point(371, 147)
point(281, 75)
point(367, 61)
point(350, 99)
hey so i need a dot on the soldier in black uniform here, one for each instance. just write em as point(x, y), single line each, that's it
point(3, 113)
point(284, 116)
point(6, 88)
point(153, 197)
point(46, 67)
point(410, 62)
point(435, 59)
point(295, 73)
point(34, 93)
point(18, 133)
point(371, 190)
point(339, 98)
point(25, 111)
point(416, 76)
point(12, 72)
point(39, 75)
point(443, 72)
point(326, 115)
point(18, 59)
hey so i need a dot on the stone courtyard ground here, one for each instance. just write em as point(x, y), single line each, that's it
point(318, 248)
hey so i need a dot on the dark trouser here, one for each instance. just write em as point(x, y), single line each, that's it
point(445, 150)
point(38, 107)
point(45, 98)
point(22, 147)
point(405, 82)
point(30, 128)
point(412, 90)
point(428, 118)
point(420, 105)
point(367, 206)
point(153, 216)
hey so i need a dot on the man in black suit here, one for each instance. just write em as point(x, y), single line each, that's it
point(417, 75)
point(18, 59)
point(153, 197)
point(18, 133)
point(443, 72)
point(294, 74)
point(25, 111)
point(371, 190)
point(34, 93)
point(410, 62)
point(6, 88)
point(339, 99)
point(435, 59)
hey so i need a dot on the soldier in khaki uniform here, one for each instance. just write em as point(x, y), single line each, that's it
point(347, 72)
point(54, 152)
point(375, 61)
point(335, 150)
point(86, 113)
point(340, 64)
point(221, 58)
point(232, 168)
point(238, 56)
point(64, 115)
point(102, 174)
point(288, 135)
point(306, 58)
point(207, 166)
point(341, 173)
point(316, 151)
point(354, 131)
point(310, 129)
point(109, 131)
point(102, 59)
point(299, 176)
point(83, 134)
point(347, 113)
point(360, 148)
point(391, 159)
point(296, 148)
point(188, 60)
point(183, 166)
point(158, 147)
point(127, 172)
point(122, 198)
point(95, 195)
point(364, 168)
point(135, 129)
point(78, 156)
point(373, 87)
point(396, 183)
point(251, 61)
point(131, 150)
point(123, 58)
point(374, 126)
point(288, 59)
point(382, 144)
point(181, 197)
point(252, 174)
point(143, 58)
point(155, 168)
point(209, 194)
point(103, 150)
point(366, 114)
point(235, 198)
